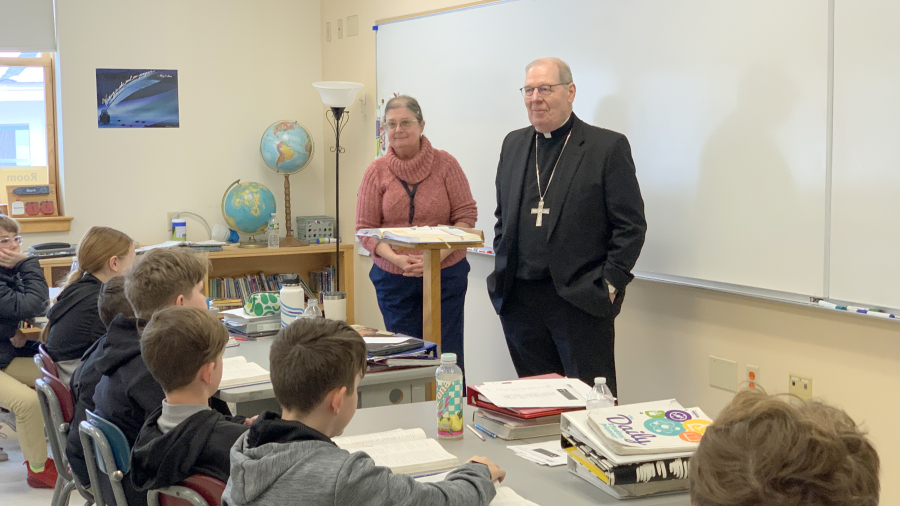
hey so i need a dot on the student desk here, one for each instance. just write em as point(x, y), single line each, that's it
point(376, 389)
point(546, 486)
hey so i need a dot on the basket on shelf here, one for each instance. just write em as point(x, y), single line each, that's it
point(310, 228)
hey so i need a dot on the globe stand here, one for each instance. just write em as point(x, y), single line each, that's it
point(252, 243)
point(289, 240)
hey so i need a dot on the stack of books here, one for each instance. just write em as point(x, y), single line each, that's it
point(387, 350)
point(241, 324)
point(634, 450)
point(512, 423)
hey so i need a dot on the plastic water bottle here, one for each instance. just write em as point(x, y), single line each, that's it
point(312, 309)
point(448, 379)
point(291, 298)
point(272, 231)
point(600, 396)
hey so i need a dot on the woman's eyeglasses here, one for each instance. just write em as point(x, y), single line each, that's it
point(404, 124)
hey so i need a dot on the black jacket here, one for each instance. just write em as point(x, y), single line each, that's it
point(123, 334)
point(198, 445)
point(597, 227)
point(23, 295)
point(75, 320)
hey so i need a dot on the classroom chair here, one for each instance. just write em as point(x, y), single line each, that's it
point(47, 361)
point(58, 409)
point(197, 490)
point(106, 450)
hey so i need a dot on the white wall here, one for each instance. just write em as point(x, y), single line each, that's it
point(241, 66)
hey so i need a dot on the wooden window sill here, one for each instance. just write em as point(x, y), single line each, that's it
point(48, 224)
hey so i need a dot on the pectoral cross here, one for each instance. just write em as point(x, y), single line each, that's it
point(540, 211)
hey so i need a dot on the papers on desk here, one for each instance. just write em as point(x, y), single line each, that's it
point(537, 393)
point(505, 495)
point(422, 235)
point(403, 451)
point(384, 340)
point(547, 453)
point(237, 372)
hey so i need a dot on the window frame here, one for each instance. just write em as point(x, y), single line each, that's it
point(62, 222)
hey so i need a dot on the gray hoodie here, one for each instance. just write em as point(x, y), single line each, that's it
point(282, 463)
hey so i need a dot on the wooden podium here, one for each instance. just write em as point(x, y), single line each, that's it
point(431, 279)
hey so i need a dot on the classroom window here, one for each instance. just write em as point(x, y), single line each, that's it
point(28, 135)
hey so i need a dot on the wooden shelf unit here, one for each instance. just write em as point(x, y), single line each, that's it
point(233, 262)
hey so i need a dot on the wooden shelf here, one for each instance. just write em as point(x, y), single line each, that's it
point(46, 224)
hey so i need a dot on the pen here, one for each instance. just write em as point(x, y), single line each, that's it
point(475, 431)
point(482, 429)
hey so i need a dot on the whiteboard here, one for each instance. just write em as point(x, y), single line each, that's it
point(865, 234)
point(724, 104)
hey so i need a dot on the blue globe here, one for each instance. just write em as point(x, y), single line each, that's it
point(247, 207)
point(286, 147)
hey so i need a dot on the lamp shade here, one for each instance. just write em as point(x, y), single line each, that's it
point(338, 93)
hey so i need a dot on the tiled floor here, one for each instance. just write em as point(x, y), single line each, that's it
point(13, 489)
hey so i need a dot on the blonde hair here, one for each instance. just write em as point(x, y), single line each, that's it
point(9, 224)
point(98, 245)
point(783, 451)
point(159, 276)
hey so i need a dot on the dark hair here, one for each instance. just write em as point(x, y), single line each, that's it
point(783, 451)
point(311, 357)
point(405, 101)
point(160, 275)
point(112, 300)
point(10, 224)
point(178, 341)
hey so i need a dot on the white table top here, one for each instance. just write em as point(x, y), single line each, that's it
point(546, 486)
point(258, 351)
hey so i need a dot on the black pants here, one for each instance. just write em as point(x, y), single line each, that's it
point(547, 334)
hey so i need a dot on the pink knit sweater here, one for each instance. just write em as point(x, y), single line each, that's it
point(443, 197)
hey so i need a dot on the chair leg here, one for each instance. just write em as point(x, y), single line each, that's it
point(66, 493)
point(57, 490)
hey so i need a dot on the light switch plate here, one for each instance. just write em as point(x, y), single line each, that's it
point(340, 28)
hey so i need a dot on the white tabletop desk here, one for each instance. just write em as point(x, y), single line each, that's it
point(546, 486)
point(376, 389)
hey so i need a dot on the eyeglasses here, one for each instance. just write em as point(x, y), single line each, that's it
point(6, 241)
point(404, 124)
point(544, 89)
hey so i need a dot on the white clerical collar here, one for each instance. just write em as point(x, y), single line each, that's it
point(549, 134)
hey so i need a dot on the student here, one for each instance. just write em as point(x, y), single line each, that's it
point(110, 303)
point(23, 295)
point(124, 392)
point(183, 348)
point(771, 451)
point(73, 323)
point(316, 366)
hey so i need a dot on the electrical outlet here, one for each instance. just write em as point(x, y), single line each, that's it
point(752, 377)
point(169, 216)
point(801, 386)
point(722, 373)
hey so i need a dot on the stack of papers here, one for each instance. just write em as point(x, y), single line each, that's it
point(548, 453)
point(537, 393)
point(249, 326)
point(422, 235)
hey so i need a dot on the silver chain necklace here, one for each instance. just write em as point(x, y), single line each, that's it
point(540, 210)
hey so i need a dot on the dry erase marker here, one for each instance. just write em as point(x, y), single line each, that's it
point(879, 314)
point(829, 305)
point(856, 309)
point(475, 432)
point(482, 429)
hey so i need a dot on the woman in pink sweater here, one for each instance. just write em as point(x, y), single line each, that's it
point(414, 184)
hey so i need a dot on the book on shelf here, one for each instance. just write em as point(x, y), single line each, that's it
point(424, 235)
point(649, 427)
point(237, 372)
point(241, 287)
point(510, 429)
point(404, 451)
point(321, 281)
point(474, 397)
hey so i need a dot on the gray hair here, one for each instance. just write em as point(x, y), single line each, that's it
point(565, 73)
point(405, 101)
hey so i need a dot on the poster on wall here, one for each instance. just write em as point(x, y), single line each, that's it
point(131, 98)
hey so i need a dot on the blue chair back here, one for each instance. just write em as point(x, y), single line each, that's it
point(121, 450)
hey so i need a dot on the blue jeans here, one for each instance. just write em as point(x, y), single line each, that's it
point(400, 301)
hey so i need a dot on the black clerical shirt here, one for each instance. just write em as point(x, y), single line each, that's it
point(533, 258)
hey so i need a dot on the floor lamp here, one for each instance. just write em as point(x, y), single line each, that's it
point(337, 95)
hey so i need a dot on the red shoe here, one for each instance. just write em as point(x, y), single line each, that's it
point(45, 478)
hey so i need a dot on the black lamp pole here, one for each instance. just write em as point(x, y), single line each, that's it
point(339, 116)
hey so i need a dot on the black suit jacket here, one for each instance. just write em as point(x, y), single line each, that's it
point(596, 226)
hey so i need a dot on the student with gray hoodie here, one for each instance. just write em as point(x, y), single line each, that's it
point(316, 366)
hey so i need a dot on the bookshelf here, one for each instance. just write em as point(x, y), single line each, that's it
point(233, 261)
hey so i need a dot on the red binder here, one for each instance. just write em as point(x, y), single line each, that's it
point(474, 398)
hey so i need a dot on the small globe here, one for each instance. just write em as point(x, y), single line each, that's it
point(286, 147)
point(247, 207)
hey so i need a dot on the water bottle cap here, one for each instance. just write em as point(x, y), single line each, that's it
point(448, 358)
point(599, 380)
point(290, 279)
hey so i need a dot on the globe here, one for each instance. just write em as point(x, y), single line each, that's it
point(286, 147)
point(247, 207)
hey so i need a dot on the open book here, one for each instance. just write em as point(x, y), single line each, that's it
point(237, 372)
point(404, 451)
point(422, 235)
